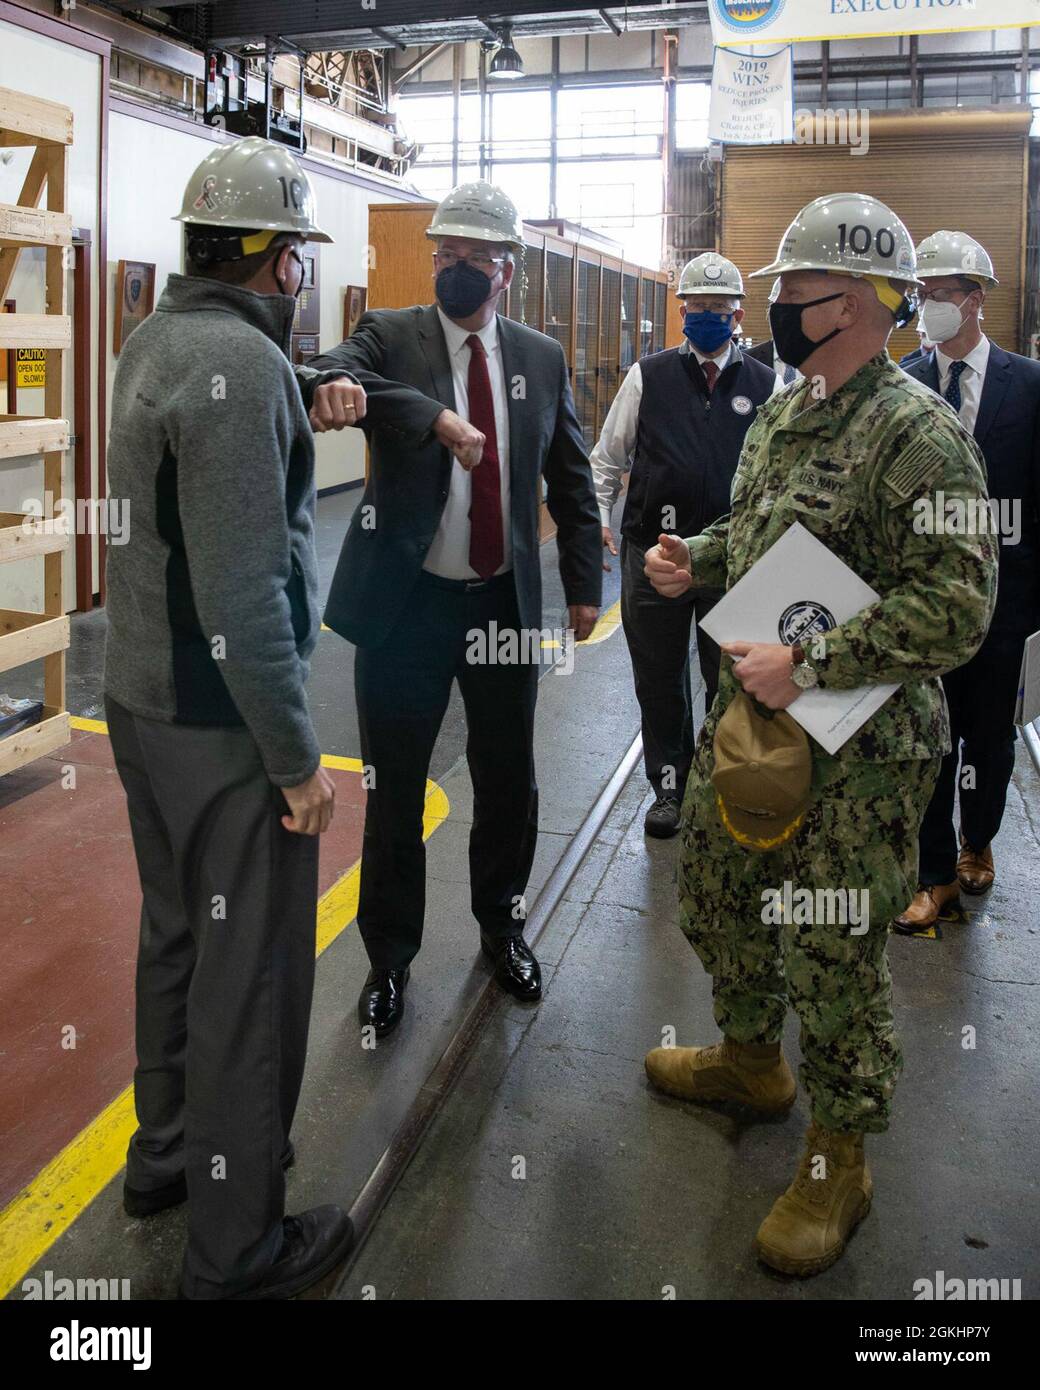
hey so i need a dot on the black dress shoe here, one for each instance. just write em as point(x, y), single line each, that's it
point(381, 1002)
point(516, 969)
point(313, 1244)
point(140, 1202)
point(662, 819)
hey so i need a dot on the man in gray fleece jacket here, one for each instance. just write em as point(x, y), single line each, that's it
point(212, 616)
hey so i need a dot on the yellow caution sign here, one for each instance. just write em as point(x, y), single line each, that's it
point(30, 367)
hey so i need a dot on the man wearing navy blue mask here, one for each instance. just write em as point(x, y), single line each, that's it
point(443, 550)
point(678, 422)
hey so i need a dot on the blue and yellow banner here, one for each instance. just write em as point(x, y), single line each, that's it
point(742, 22)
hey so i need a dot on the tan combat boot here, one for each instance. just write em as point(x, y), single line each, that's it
point(809, 1225)
point(756, 1075)
point(937, 902)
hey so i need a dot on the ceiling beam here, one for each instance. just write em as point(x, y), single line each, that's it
point(398, 79)
point(391, 39)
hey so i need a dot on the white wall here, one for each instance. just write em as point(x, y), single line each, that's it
point(149, 165)
point(41, 67)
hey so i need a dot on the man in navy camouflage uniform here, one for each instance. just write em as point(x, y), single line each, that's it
point(847, 451)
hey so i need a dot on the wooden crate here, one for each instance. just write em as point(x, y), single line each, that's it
point(28, 637)
point(34, 227)
point(53, 731)
point(35, 331)
point(20, 539)
point(24, 435)
point(26, 120)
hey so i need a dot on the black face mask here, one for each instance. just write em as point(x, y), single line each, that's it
point(461, 290)
point(785, 326)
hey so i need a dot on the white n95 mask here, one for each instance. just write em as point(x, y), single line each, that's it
point(939, 322)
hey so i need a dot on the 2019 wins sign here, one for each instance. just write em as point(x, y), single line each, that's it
point(740, 22)
point(752, 97)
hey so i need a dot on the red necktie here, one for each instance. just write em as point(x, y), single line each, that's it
point(486, 548)
point(711, 375)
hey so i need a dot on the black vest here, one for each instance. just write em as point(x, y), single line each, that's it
point(688, 443)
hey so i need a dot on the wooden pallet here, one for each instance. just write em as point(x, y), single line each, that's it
point(28, 637)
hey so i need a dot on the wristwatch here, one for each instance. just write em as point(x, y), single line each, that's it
point(803, 675)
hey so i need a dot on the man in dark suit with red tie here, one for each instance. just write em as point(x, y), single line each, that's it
point(440, 561)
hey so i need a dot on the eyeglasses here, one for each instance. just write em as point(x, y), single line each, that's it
point(941, 296)
point(711, 306)
point(479, 261)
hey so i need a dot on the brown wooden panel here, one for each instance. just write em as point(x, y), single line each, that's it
point(956, 174)
point(400, 269)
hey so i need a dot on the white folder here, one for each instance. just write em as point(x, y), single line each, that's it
point(795, 591)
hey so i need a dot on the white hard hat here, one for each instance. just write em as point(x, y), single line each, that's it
point(255, 184)
point(954, 253)
point(480, 211)
point(710, 274)
point(850, 234)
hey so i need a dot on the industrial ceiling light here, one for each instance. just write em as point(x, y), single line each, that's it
point(507, 63)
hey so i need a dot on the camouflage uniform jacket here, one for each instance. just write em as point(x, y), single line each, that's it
point(850, 468)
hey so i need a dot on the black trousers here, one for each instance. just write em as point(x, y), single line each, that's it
point(658, 634)
point(402, 688)
point(981, 696)
point(225, 973)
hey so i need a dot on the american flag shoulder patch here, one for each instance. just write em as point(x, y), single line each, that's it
point(915, 468)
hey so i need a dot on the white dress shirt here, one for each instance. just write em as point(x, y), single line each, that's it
point(448, 556)
point(611, 454)
point(972, 380)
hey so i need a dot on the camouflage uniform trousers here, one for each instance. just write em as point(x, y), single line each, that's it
point(860, 832)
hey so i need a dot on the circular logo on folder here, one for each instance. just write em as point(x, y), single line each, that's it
point(806, 618)
point(742, 405)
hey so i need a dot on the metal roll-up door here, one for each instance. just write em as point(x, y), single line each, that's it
point(955, 170)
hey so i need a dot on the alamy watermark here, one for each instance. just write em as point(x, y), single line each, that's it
point(973, 516)
point(80, 516)
point(526, 646)
point(843, 907)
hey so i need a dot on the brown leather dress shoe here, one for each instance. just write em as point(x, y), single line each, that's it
point(975, 869)
point(936, 902)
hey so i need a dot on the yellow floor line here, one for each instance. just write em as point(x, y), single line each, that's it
point(34, 1219)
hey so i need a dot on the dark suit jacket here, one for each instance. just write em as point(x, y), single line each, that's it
point(764, 353)
point(761, 352)
point(1008, 433)
point(394, 526)
point(912, 357)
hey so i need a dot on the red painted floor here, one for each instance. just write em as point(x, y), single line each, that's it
point(69, 905)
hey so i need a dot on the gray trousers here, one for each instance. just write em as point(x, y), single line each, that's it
point(657, 631)
point(225, 973)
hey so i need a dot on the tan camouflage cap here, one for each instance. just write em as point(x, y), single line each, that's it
point(762, 775)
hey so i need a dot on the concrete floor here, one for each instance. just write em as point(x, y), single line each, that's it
point(624, 1192)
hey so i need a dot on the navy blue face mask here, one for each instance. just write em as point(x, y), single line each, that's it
point(461, 290)
point(706, 330)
